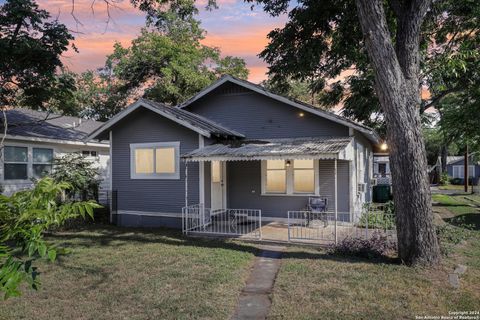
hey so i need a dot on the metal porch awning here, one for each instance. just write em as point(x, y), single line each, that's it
point(275, 149)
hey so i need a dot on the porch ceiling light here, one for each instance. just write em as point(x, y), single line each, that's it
point(288, 163)
point(301, 114)
point(384, 146)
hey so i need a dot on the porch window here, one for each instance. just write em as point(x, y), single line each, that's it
point(276, 177)
point(303, 176)
point(155, 160)
point(15, 163)
point(42, 162)
point(289, 177)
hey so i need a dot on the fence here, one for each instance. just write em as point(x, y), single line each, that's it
point(233, 222)
point(324, 227)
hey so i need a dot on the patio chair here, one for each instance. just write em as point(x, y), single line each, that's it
point(318, 205)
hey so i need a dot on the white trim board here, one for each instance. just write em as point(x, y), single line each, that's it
point(54, 141)
point(150, 214)
point(372, 135)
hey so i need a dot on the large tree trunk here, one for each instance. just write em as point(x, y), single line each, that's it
point(397, 86)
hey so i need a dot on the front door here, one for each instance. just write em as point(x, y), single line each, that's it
point(218, 173)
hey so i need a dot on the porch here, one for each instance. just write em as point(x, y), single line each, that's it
point(301, 226)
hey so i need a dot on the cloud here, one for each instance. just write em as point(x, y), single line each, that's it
point(234, 28)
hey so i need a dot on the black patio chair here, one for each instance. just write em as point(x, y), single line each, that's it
point(318, 205)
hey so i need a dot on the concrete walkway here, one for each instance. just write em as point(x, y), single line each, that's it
point(254, 302)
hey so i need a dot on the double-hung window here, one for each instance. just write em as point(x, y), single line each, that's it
point(290, 177)
point(15, 163)
point(155, 160)
point(42, 162)
point(22, 163)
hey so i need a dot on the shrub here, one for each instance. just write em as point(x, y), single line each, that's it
point(449, 236)
point(375, 247)
point(378, 217)
point(444, 179)
point(80, 173)
point(24, 218)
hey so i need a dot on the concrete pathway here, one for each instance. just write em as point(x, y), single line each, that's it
point(254, 302)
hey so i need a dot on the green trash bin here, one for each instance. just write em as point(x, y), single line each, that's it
point(381, 193)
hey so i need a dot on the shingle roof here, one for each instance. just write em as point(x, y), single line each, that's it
point(196, 120)
point(294, 148)
point(193, 121)
point(37, 124)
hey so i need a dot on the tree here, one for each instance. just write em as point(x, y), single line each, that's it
point(31, 44)
point(298, 90)
point(382, 41)
point(24, 218)
point(79, 173)
point(166, 63)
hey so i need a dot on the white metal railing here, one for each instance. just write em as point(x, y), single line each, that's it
point(322, 226)
point(235, 222)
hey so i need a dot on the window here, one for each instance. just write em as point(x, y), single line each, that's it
point(276, 177)
point(155, 160)
point(303, 176)
point(42, 162)
point(459, 171)
point(89, 153)
point(290, 177)
point(15, 163)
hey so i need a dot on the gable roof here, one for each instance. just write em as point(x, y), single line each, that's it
point(370, 133)
point(40, 125)
point(187, 119)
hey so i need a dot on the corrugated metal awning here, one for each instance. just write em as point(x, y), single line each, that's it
point(273, 149)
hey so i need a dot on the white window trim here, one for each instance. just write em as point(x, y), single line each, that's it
point(29, 162)
point(289, 176)
point(161, 176)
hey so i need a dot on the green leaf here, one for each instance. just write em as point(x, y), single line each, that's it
point(52, 255)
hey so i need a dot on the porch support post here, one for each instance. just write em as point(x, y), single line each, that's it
point(186, 184)
point(336, 201)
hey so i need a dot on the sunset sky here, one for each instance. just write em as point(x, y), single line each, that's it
point(234, 28)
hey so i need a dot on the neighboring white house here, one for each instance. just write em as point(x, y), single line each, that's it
point(381, 169)
point(35, 138)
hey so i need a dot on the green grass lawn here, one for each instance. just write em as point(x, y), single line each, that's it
point(312, 284)
point(115, 273)
point(459, 188)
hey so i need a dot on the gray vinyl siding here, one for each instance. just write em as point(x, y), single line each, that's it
point(461, 163)
point(244, 189)
point(258, 116)
point(151, 195)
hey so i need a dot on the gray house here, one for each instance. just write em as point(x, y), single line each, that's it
point(235, 145)
point(456, 167)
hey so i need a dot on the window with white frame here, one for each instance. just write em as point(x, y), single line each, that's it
point(155, 160)
point(290, 177)
point(42, 161)
point(20, 164)
point(459, 171)
point(15, 165)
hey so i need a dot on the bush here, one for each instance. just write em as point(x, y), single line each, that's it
point(79, 173)
point(444, 179)
point(375, 247)
point(378, 217)
point(449, 236)
point(24, 218)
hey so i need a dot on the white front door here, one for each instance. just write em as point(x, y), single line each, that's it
point(218, 174)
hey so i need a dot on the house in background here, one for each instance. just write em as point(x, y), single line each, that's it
point(35, 138)
point(456, 167)
point(235, 145)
